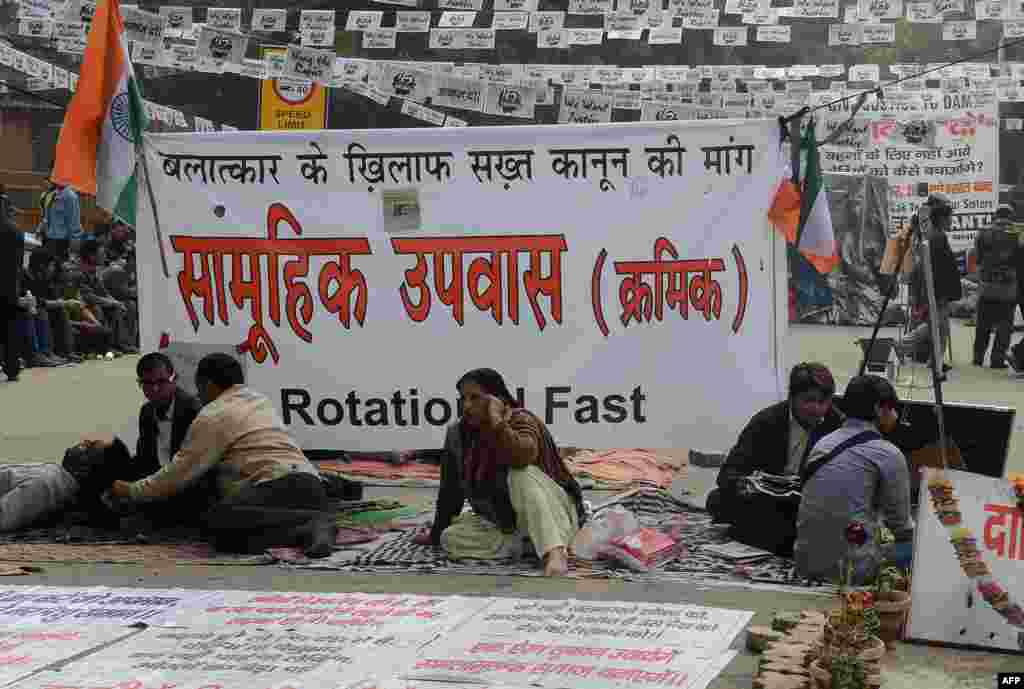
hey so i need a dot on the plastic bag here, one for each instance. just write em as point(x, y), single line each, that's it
point(660, 546)
point(605, 527)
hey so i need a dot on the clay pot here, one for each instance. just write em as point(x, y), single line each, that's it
point(892, 613)
point(871, 655)
point(822, 678)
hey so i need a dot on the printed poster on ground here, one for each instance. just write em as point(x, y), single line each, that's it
point(601, 268)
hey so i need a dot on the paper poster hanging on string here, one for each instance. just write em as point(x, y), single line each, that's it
point(510, 21)
point(465, 94)
point(229, 18)
point(478, 39)
point(403, 82)
point(42, 9)
point(949, 6)
point(773, 34)
point(309, 63)
point(585, 36)
point(663, 112)
point(546, 21)
point(844, 35)
point(474, 5)
point(704, 18)
point(316, 20)
point(143, 27)
point(380, 39)
point(362, 20)
point(584, 107)
point(221, 46)
point(79, 10)
point(456, 20)
point(959, 31)
point(730, 36)
point(35, 28)
point(586, 7)
point(665, 35)
point(179, 20)
point(269, 20)
point(922, 12)
point(864, 73)
point(878, 10)
point(551, 39)
point(816, 9)
point(768, 17)
point(877, 33)
point(413, 22)
point(148, 54)
point(515, 5)
point(510, 101)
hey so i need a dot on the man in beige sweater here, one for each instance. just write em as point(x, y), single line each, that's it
point(270, 494)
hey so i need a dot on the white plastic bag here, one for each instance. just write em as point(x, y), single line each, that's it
point(605, 527)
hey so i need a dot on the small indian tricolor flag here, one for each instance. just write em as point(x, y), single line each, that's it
point(801, 212)
point(105, 120)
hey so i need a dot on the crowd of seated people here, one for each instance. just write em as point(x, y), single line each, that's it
point(82, 307)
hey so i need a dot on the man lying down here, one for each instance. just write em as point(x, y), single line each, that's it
point(268, 493)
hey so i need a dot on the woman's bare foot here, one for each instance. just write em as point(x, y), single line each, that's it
point(556, 562)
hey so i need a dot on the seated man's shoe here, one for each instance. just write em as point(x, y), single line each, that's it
point(321, 543)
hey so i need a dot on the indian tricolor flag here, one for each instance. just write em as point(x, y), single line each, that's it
point(105, 120)
point(800, 211)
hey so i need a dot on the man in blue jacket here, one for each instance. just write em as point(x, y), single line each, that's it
point(63, 221)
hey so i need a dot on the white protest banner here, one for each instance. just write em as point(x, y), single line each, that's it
point(31, 647)
point(548, 205)
point(947, 606)
point(949, 141)
point(95, 605)
point(544, 643)
point(408, 616)
point(232, 659)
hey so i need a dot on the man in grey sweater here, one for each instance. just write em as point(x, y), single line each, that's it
point(855, 475)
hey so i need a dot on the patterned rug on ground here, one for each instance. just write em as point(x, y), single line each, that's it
point(124, 553)
point(395, 552)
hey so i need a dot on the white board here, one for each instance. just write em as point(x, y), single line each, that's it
point(368, 270)
point(185, 356)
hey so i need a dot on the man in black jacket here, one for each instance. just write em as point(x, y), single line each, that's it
point(163, 424)
point(946, 279)
point(12, 253)
point(777, 440)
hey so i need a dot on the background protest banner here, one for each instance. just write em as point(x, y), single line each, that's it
point(948, 141)
point(947, 606)
point(605, 270)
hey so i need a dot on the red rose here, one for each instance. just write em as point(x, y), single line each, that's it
point(856, 534)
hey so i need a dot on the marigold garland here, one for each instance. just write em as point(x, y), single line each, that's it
point(947, 508)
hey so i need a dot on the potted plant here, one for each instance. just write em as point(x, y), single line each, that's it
point(850, 650)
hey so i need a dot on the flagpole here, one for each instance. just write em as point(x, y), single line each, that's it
point(140, 155)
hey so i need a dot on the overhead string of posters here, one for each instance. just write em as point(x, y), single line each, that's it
point(173, 38)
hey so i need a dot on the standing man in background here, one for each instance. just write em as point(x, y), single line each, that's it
point(12, 253)
point(996, 249)
point(63, 221)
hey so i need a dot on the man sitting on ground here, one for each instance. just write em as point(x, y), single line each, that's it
point(164, 421)
point(271, 495)
point(776, 441)
point(855, 475)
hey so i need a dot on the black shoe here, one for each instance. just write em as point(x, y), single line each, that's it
point(946, 368)
point(979, 363)
point(325, 533)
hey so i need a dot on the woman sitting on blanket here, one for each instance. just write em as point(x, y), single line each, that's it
point(504, 461)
